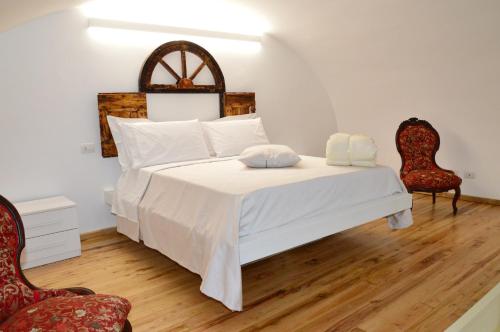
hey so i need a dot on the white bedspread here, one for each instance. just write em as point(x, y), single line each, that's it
point(196, 212)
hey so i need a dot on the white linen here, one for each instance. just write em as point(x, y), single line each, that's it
point(230, 138)
point(337, 150)
point(157, 143)
point(114, 125)
point(195, 214)
point(132, 185)
point(269, 155)
point(362, 151)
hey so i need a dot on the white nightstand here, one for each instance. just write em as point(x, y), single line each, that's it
point(51, 230)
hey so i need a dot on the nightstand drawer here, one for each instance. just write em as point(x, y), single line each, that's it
point(51, 248)
point(50, 222)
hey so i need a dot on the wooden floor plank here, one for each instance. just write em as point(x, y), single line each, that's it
point(365, 279)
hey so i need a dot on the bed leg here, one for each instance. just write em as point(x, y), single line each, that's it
point(433, 198)
point(411, 193)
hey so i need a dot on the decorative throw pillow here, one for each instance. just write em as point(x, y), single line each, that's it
point(337, 150)
point(362, 151)
point(356, 150)
point(269, 156)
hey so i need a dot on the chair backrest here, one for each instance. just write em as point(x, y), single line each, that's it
point(417, 142)
point(15, 290)
point(11, 239)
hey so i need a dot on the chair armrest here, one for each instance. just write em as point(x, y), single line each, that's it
point(446, 170)
point(80, 290)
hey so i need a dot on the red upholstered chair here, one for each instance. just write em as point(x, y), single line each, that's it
point(24, 307)
point(417, 142)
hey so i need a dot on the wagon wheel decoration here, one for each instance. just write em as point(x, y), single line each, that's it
point(184, 83)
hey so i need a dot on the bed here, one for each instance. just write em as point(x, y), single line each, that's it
point(214, 215)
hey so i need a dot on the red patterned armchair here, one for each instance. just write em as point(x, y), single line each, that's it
point(24, 307)
point(417, 142)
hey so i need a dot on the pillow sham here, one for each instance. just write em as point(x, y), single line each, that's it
point(269, 156)
point(238, 117)
point(114, 126)
point(230, 138)
point(157, 143)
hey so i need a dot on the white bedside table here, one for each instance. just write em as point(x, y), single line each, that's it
point(51, 231)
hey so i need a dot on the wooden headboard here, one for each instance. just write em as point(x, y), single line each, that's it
point(184, 83)
point(237, 103)
point(134, 104)
point(123, 105)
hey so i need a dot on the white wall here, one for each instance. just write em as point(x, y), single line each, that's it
point(385, 61)
point(51, 71)
point(439, 62)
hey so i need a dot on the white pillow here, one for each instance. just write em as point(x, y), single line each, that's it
point(227, 118)
point(238, 117)
point(163, 142)
point(114, 125)
point(269, 156)
point(337, 150)
point(345, 150)
point(362, 151)
point(230, 138)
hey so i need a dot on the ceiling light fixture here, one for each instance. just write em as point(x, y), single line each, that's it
point(149, 39)
point(112, 24)
point(206, 18)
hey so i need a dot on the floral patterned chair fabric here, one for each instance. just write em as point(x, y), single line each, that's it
point(48, 309)
point(418, 142)
point(90, 313)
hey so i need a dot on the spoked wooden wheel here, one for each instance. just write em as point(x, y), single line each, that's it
point(184, 83)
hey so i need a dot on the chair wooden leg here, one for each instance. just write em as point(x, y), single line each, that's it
point(127, 327)
point(433, 198)
point(455, 199)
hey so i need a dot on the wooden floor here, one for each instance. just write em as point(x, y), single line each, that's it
point(366, 279)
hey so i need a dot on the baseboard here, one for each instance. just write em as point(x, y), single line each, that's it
point(468, 198)
point(89, 235)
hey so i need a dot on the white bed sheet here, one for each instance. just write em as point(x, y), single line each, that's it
point(195, 212)
point(133, 183)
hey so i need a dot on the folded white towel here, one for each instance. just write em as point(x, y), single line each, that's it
point(362, 151)
point(337, 150)
point(357, 150)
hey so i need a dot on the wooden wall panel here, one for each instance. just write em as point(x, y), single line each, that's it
point(237, 103)
point(123, 105)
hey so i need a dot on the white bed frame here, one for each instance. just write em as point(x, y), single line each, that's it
point(267, 243)
point(271, 242)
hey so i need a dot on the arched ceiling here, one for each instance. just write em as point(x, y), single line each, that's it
point(310, 26)
point(16, 12)
point(342, 38)
point(290, 19)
